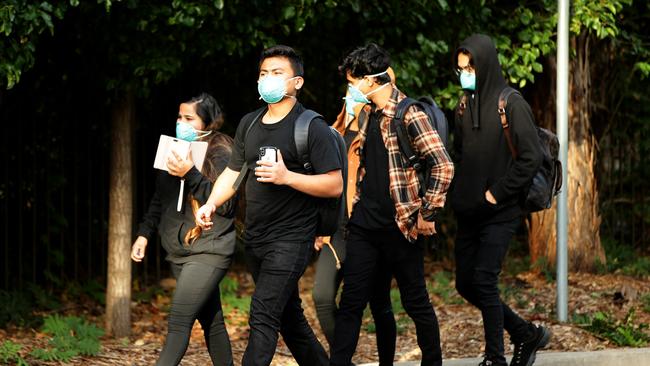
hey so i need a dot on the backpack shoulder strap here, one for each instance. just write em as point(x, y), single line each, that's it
point(503, 103)
point(402, 134)
point(243, 172)
point(301, 136)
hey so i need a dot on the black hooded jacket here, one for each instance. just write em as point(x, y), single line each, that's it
point(215, 246)
point(483, 160)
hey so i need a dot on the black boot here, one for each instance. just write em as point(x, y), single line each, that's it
point(525, 351)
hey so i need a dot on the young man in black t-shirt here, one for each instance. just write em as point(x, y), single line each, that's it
point(281, 215)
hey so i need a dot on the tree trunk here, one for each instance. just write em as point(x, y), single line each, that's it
point(585, 249)
point(118, 289)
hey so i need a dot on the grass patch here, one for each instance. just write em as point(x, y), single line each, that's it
point(441, 285)
point(514, 294)
point(645, 300)
point(231, 299)
point(402, 320)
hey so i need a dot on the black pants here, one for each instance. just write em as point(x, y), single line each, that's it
point(196, 297)
point(480, 251)
point(326, 285)
point(276, 306)
point(405, 260)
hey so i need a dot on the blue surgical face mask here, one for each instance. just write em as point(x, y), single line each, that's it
point(185, 131)
point(357, 95)
point(272, 88)
point(467, 80)
point(349, 105)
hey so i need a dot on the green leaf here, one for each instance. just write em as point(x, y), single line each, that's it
point(288, 12)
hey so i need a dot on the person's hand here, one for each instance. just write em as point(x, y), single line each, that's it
point(318, 243)
point(272, 172)
point(490, 198)
point(177, 165)
point(425, 227)
point(138, 249)
point(204, 216)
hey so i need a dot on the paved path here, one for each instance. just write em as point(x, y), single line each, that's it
point(613, 357)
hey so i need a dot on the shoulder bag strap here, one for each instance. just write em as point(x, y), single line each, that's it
point(503, 103)
point(301, 136)
point(243, 172)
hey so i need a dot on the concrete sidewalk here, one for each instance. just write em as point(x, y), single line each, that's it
point(612, 357)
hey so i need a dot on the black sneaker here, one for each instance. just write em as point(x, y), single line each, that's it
point(488, 361)
point(525, 352)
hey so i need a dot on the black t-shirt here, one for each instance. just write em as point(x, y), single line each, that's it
point(375, 209)
point(279, 212)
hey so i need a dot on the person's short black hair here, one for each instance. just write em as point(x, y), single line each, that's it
point(367, 60)
point(285, 51)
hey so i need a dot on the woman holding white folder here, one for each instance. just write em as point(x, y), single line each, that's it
point(199, 259)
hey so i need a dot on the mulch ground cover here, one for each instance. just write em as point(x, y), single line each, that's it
point(530, 294)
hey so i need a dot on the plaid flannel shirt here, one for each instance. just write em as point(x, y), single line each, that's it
point(403, 180)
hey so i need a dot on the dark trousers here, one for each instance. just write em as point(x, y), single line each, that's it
point(365, 250)
point(196, 297)
point(480, 251)
point(276, 306)
point(327, 280)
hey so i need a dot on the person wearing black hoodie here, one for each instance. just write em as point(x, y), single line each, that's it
point(486, 193)
point(199, 259)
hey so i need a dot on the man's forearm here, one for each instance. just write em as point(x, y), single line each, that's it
point(222, 190)
point(325, 185)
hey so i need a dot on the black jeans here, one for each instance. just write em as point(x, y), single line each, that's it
point(480, 251)
point(365, 250)
point(326, 285)
point(196, 297)
point(276, 306)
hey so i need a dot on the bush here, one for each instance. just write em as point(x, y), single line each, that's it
point(15, 308)
point(622, 333)
point(9, 353)
point(624, 259)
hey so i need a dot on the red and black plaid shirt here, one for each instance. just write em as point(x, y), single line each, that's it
point(404, 185)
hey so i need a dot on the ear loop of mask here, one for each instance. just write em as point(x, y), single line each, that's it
point(202, 134)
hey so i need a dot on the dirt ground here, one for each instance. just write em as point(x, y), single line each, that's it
point(531, 295)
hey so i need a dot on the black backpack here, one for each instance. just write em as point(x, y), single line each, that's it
point(547, 181)
point(330, 210)
point(439, 123)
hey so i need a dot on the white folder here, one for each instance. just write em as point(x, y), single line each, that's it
point(167, 144)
